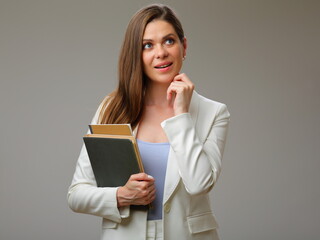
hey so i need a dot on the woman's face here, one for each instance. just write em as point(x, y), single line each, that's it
point(162, 52)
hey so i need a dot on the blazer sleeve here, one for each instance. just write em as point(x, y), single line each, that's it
point(85, 197)
point(199, 161)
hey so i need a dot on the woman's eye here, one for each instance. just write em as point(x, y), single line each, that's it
point(147, 45)
point(169, 41)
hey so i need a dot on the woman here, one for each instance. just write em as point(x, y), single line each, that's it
point(181, 137)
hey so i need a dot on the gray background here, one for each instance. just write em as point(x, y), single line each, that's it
point(58, 59)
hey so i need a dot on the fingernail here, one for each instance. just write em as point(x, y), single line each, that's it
point(149, 176)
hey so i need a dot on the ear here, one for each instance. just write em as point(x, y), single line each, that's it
point(184, 44)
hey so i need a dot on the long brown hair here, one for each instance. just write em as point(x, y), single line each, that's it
point(125, 104)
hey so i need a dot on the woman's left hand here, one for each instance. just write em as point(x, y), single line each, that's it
point(179, 93)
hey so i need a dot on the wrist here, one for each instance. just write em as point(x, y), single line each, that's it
point(180, 111)
point(121, 199)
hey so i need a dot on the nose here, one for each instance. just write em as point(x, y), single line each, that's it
point(160, 51)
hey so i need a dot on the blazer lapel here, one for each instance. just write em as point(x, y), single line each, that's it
point(172, 174)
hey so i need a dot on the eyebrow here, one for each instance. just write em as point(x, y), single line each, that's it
point(166, 36)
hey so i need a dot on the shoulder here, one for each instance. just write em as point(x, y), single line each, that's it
point(207, 113)
point(102, 108)
point(208, 106)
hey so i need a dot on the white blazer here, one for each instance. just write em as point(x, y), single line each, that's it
point(197, 141)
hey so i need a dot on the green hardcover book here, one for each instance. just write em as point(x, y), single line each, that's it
point(113, 158)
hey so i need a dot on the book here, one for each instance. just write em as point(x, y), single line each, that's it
point(111, 129)
point(114, 157)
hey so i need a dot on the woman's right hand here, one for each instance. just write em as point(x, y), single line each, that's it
point(139, 190)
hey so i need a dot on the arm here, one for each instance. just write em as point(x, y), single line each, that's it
point(109, 202)
point(85, 197)
point(199, 162)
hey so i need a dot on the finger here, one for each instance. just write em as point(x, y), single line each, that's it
point(175, 86)
point(169, 95)
point(176, 89)
point(151, 196)
point(185, 89)
point(183, 78)
point(151, 186)
point(170, 92)
point(183, 84)
point(141, 177)
point(145, 185)
point(153, 192)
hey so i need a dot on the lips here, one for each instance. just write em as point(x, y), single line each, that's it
point(163, 65)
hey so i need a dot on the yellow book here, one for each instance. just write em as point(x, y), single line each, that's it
point(111, 129)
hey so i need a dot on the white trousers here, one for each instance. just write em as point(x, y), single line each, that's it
point(154, 230)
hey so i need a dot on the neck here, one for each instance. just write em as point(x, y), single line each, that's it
point(156, 94)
